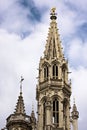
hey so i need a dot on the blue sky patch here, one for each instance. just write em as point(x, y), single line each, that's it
point(30, 5)
point(82, 31)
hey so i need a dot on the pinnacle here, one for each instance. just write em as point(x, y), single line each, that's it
point(20, 108)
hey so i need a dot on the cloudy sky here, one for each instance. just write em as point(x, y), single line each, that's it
point(23, 32)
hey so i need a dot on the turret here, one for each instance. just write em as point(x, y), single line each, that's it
point(75, 116)
point(20, 108)
point(19, 120)
point(33, 119)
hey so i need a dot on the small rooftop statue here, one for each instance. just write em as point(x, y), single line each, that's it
point(53, 10)
point(53, 14)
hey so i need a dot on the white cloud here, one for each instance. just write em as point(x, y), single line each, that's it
point(77, 52)
point(5, 4)
point(80, 4)
point(79, 84)
point(45, 3)
point(79, 91)
point(14, 17)
point(66, 20)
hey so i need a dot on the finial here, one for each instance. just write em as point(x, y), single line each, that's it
point(32, 106)
point(53, 14)
point(53, 10)
point(21, 84)
point(74, 107)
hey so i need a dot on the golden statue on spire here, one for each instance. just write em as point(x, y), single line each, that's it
point(53, 10)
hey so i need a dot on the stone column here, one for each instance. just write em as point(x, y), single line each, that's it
point(48, 115)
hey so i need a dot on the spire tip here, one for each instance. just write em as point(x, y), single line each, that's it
point(53, 14)
point(21, 84)
point(53, 10)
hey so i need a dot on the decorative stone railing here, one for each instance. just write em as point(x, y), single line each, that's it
point(19, 117)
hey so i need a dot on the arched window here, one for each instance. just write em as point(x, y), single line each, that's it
point(63, 70)
point(46, 72)
point(55, 71)
point(55, 111)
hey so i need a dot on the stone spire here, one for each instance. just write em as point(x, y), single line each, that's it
point(19, 120)
point(53, 45)
point(53, 89)
point(75, 116)
point(33, 119)
point(20, 108)
point(75, 113)
point(32, 113)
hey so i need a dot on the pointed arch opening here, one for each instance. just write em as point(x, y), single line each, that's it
point(55, 71)
point(64, 71)
point(56, 112)
point(46, 72)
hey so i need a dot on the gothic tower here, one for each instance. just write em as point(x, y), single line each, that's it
point(54, 88)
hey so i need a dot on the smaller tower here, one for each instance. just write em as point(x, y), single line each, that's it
point(75, 116)
point(19, 120)
point(33, 119)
